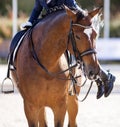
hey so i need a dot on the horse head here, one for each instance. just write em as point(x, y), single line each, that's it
point(84, 32)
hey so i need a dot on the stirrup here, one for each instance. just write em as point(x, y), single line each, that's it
point(7, 77)
point(7, 91)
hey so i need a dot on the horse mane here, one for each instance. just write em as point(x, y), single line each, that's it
point(80, 15)
point(55, 9)
point(97, 23)
point(51, 11)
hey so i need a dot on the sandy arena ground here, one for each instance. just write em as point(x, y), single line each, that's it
point(104, 112)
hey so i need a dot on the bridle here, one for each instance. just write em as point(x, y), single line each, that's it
point(77, 54)
point(78, 57)
point(73, 41)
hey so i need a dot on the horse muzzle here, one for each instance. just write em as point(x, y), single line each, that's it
point(92, 72)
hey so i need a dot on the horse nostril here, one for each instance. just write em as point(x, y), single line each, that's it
point(91, 74)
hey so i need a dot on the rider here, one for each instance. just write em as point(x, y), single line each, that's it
point(46, 4)
point(106, 80)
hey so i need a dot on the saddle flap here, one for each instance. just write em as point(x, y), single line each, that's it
point(15, 44)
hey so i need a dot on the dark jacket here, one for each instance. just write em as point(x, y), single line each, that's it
point(40, 4)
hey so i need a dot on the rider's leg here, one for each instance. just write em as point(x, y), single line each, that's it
point(108, 81)
point(100, 91)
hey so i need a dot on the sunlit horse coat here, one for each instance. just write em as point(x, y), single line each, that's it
point(40, 4)
point(37, 87)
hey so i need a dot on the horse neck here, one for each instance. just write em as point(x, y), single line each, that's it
point(51, 40)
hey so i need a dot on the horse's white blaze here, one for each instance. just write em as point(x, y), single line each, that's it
point(88, 32)
point(96, 24)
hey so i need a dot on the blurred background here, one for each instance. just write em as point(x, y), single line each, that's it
point(15, 12)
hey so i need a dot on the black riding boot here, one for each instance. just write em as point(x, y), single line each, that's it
point(108, 80)
point(100, 91)
point(108, 85)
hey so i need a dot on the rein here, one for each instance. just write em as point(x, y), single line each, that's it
point(35, 57)
point(75, 50)
point(78, 58)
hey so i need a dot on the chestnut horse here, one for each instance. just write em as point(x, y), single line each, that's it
point(39, 59)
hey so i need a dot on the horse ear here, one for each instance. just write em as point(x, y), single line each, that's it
point(95, 12)
point(71, 14)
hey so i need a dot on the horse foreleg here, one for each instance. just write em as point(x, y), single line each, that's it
point(72, 107)
point(59, 115)
point(31, 114)
point(42, 118)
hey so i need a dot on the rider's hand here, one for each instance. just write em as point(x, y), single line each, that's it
point(25, 25)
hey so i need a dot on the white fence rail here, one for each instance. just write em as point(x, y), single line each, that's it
point(108, 49)
point(15, 11)
point(106, 17)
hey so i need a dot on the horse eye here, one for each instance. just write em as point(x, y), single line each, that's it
point(77, 37)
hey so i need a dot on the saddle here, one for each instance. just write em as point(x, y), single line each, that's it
point(17, 40)
point(14, 46)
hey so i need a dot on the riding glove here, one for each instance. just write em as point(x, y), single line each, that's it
point(25, 25)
